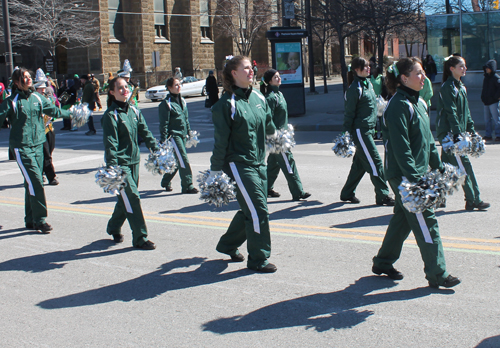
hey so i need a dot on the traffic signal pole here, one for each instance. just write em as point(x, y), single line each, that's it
point(8, 44)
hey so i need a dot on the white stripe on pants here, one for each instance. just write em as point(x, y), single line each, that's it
point(424, 228)
point(25, 172)
point(288, 166)
point(251, 207)
point(181, 162)
point(367, 154)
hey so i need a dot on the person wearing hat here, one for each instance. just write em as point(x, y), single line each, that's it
point(271, 82)
point(134, 89)
point(41, 85)
point(174, 127)
point(255, 71)
point(178, 74)
point(88, 97)
point(25, 107)
point(212, 88)
point(97, 85)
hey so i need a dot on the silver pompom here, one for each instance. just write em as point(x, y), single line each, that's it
point(343, 146)
point(111, 179)
point(477, 147)
point(192, 139)
point(431, 190)
point(163, 160)
point(381, 105)
point(218, 190)
point(281, 141)
point(80, 114)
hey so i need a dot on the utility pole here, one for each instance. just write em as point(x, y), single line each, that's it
point(312, 87)
point(8, 44)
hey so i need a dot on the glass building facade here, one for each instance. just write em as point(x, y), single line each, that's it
point(480, 37)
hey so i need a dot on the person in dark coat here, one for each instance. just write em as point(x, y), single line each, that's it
point(430, 67)
point(212, 88)
point(490, 96)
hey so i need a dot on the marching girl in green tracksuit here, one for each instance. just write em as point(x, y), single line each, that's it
point(241, 121)
point(284, 161)
point(409, 150)
point(121, 124)
point(454, 116)
point(174, 125)
point(25, 109)
point(360, 117)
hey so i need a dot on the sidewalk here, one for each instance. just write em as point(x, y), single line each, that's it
point(325, 112)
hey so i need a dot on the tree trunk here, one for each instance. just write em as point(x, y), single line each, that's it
point(380, 47)
point(324, 67)
point(343, 65)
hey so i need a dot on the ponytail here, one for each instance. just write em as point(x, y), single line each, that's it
point(403, 67)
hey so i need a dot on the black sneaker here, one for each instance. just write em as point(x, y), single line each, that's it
point(388, 201)
point(479, 206)
point(442, 205)
point(353, 200)
point(118, 238)
point(306, 195)
point(191, 190)
point(149, 245)
point(54, 182)
point(269, 268)
point(237, 258)
point(449, 282)
point(30, 226)
point(90, 132)
point(44, 228)
point(391, 273)
point(273, 194)
point(169, 188)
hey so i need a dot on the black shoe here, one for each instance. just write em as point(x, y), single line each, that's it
point(388, 201)
point(191, 190)
point(269, 268)
point(65, 128)
point(169, 188)
point(306, 195)
point(44, 228)
point(90, 132)
point(118, 238)
point(353, 200)
point(237, 258)
point(391, 273)
point(54, 182)
point(149, 245)
point(479, 206)
point(449, 282)
point(442, 205)
point(30, 226)
point(273, 194)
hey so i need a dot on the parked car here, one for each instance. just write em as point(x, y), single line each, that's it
point(190, 86)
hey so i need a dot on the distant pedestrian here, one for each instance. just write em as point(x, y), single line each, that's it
point(430, 67)
point(89, 98)
point(178, 74)
point(271, 82)
point(454, 117)
point(255, 71)
point(96, 84)
point(360, 117)
point(212, 88)
point(24, 108)
point(490, 96)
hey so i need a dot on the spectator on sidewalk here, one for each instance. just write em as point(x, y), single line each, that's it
point(88, 97)
point(430, 67)
point(212, 88)
point(97, 85)
point(490, 96)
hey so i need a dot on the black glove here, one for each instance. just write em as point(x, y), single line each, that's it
point(455, 138)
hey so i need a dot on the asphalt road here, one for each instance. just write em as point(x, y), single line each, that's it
point(76, 288)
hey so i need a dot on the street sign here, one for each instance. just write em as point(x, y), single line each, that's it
point(50, 64)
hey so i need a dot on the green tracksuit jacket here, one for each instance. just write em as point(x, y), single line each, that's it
point(360, 107)
point(174, 123)
point(284, 161)
point(241, 121)
point(410, 150)
point(121, 125)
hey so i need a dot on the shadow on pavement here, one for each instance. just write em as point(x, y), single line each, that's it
point(321, 312)
point(382, 220)
point(57, 259)
point(490, 342)
point(8, 187)
point(152, 284)
point(204, 207)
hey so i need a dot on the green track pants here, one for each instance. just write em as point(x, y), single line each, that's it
point(470, 187)
point(286, 163)
point(183, 166)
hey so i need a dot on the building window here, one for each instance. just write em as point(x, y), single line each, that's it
point(390, 51)
point(160, 20)
point(115, 20)
point(206, 33)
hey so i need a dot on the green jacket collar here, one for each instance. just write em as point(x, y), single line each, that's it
point(362, 80)
point(124, 108)
point(413, 98)
point(275, 89)
point(240, 92)
point(455, 81)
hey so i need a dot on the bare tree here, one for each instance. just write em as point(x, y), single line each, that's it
point(414, 32)
point(381, 18)
point(52, 23)
point(344, 18)
point(242, 20)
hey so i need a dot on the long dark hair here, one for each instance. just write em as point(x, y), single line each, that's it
point(356, 63)
point(404, 67)
point(227, 77)
point(453, 61)
point(268, 76)
point(17, 79)
point(112, 83)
